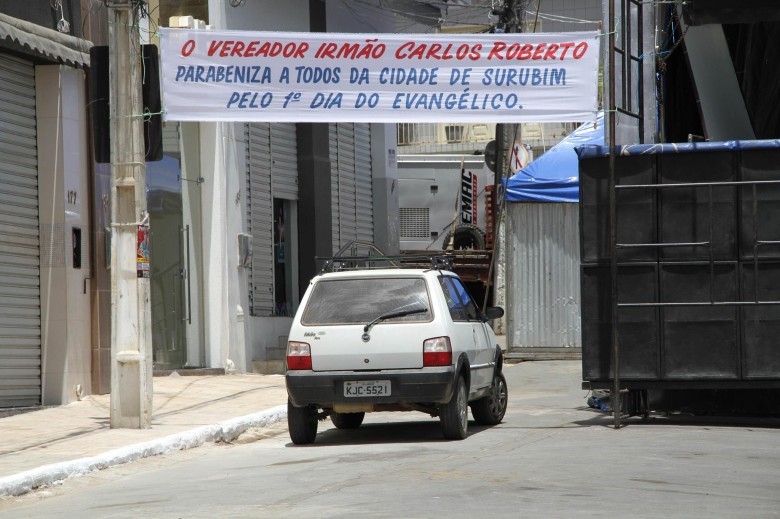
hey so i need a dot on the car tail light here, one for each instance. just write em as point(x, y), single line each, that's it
point(437, 352)
point(298, 355)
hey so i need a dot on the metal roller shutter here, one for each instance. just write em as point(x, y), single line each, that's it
point(284, 161)
point(272, 155)
point(20, 295)
point(260, 218)
point(364, 183)
point(351, 189)
point(334, 185)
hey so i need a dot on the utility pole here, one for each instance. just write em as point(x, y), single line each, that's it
point(131, 342)
point(505, 132)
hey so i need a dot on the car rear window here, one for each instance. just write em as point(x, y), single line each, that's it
point(360, 301)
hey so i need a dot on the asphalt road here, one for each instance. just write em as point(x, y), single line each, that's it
point(551, 457)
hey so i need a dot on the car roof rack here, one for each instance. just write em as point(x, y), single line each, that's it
point(349, 258)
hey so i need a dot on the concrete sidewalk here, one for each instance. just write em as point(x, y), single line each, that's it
point(42, 446)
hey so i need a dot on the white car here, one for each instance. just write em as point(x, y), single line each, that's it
point(392, 339)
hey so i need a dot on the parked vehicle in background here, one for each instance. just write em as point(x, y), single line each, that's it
point(368, 339)
point(442, 202)
point(447, 202)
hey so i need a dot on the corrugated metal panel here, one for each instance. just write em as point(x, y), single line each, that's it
point(364, 203)
point(20, 295)
point(543, 277)
point(351, 183)
point(260, 218)
point(333, 145)
point(284, 161)
point(342, 160)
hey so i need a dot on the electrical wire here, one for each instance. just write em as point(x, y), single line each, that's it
point(561, 18)
point(453, 17)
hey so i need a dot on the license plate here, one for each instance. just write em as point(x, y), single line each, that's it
point(367, 388)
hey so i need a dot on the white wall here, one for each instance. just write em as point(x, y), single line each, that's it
point(268, 337)
point(63, 205)
point(384, 172)
point(223, 199)
point(235, 146)
point(193, 217)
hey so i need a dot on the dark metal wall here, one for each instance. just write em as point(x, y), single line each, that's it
point(706, 315)
point(754, 45)
point(755, 49)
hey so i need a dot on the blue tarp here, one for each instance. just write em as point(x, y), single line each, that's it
point(554, 177)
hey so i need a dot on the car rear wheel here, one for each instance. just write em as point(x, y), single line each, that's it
point(454, 414)
point(347, 420)
point(490, 409)
point(302, 423)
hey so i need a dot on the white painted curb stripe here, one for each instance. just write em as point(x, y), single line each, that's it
point(224, 431)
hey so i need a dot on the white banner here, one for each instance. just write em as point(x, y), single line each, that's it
point(323, 77)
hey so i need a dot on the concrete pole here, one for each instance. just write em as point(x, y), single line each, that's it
point(131, 343)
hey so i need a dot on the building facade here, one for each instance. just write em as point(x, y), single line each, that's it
point(45, 274)
point(238, 213)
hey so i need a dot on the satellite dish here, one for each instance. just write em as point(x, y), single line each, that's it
point(490, 155)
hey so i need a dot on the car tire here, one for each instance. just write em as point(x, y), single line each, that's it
point(490, 409)
point(465, 236)
point(347, 420)
point(302, 424)
point(454, 414)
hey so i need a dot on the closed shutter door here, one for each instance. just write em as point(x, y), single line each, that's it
point(272, 155)
point(20, 294)
point(284, 161)
point(343, 187)
point(364, 202)
point(260, 218)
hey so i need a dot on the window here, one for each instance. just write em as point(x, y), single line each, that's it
point(462, 307)
point(360, 301)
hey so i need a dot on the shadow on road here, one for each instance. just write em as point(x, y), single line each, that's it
point(389, 432)
point(665, 419)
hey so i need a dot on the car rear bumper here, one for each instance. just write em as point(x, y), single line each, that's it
point(417, 386)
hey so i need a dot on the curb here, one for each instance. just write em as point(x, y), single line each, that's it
point(226, 431)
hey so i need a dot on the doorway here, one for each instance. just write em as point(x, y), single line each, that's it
point(169, 248)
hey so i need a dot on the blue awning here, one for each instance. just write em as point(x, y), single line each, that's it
point(554, 176)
